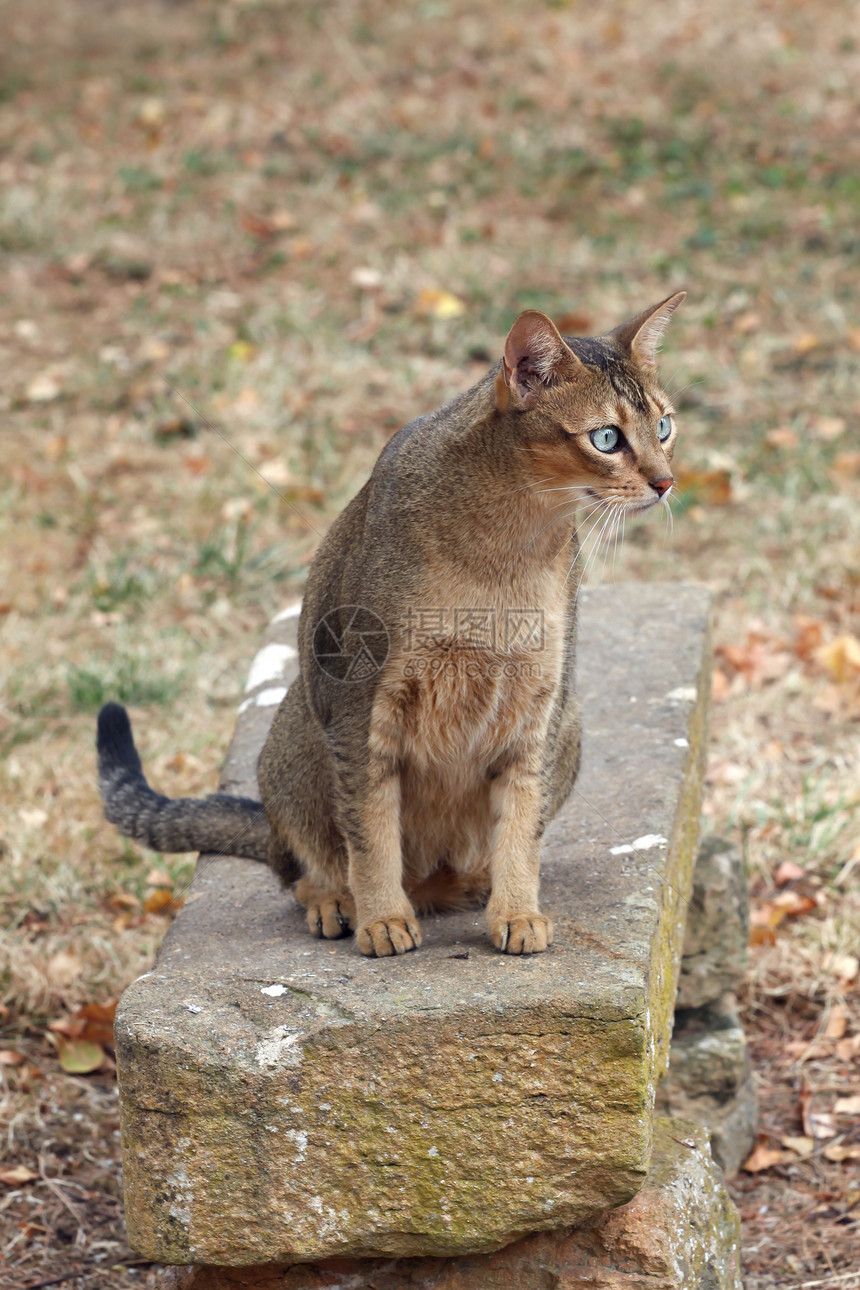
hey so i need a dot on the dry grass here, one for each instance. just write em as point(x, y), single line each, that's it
point(245, 202)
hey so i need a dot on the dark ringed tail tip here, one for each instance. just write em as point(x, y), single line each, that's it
point(114, 740)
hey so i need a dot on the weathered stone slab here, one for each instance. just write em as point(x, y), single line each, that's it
point(285, 1099)
point(680, 1232)
point(718, 925)
point(710, 1079)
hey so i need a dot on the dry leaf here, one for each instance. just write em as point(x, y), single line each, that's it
point(123, 900)
point(763, 1157)
point(747, 323)
point(43, 388)
point(242, 350)
point(762, 937)
point(805, 343)
point(848, 1049)
point(828, 428)
point(158, 900)
point(810, 635)
point(768, 915)
point(80, 1057)
point(258, 226)
point(720, 685)
point(713, 487)
point(787, 872)
point(837, 1152)
point(845, 464)
point(845, 966)
point(837, 1022)
point(158, 878)
point(782, 437)
point(800, 1146)
point(574, 323)
point(8, 1057)
point(64, 968)
point(795, 903)
point(438, 304)
point(19, 1174)
point(841, 657)
point(847, 1105)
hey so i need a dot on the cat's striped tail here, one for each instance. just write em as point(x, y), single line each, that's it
point(234, 826)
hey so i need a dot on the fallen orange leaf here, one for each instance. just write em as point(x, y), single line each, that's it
point(158, 900)
point(439, 304)
point(8, 1057)
point(841, 657)
point(762, 1157)
point(714, 487)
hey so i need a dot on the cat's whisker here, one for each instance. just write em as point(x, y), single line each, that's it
point(532, 484)
point(618, 520)
point(604, 517)
point(613, 529)
point(582, 541)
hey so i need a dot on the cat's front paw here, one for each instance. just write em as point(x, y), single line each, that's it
point(521, 933)
point(386, 936)
point(331, 916)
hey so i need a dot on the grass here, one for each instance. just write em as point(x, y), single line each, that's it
point(195, 211)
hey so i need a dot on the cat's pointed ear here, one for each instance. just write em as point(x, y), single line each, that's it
point(536, 358)
point(641, 335)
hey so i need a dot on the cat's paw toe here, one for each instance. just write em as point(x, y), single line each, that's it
point(522, 933)
point(332, 916)
point(386, 936)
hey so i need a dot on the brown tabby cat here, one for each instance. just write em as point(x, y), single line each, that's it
point(424, 777)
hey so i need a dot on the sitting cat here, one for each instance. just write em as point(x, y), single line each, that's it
point(433, 731)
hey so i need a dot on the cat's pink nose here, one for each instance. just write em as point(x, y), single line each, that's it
point(662, 485)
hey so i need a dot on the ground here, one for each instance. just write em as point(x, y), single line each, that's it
point(243, 242)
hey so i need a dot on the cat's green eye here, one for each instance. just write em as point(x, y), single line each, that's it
point(606, 439)
point(664, 429)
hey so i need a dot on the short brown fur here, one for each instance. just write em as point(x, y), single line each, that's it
point(430, 783)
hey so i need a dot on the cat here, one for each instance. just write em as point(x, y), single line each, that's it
point(433, 731)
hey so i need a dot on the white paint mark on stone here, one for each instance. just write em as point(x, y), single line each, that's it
point(681, 743)
point(291, 611)
point(645, 843)
point(274, 991)
point(269, 664)
point(265, 699)
point(434, 1151)
point(683, 694)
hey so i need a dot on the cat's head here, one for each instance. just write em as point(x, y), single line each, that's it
point(590, 410)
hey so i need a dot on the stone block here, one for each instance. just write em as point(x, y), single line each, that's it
point(718, 924)
point(680, 1232)
point(285, 1099)
point(710, 1081)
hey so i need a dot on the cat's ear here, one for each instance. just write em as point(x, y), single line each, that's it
point(536, 358)
point(641, 335)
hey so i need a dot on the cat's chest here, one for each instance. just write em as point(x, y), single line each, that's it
point(460, 702)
